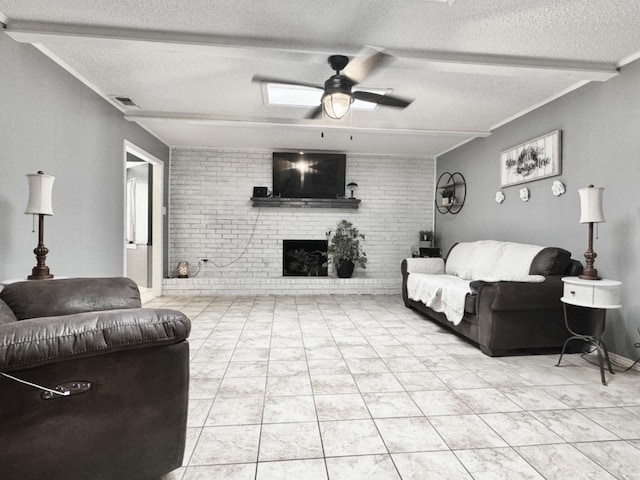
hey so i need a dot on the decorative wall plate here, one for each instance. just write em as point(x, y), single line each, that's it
point(524, 194)
point(499, 197)
point(557, 188)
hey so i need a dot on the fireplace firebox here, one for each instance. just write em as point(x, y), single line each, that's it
point(304, 258)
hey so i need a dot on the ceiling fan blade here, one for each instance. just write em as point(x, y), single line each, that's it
point(387, 100)
point(365, 63)
point(315, 113)
point(261, 79)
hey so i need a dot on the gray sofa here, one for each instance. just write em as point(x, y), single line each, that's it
point(507, 317)
point(126, 368)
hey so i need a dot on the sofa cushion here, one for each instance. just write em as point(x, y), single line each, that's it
point(550, 261)
point(493, 261)
point(574, 268)
point(6, 314)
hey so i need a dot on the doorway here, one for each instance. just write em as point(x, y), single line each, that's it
point(143, 220)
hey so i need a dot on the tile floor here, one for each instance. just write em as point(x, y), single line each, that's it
point(360, 387)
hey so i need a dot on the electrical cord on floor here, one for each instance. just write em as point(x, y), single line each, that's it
point(584, 356)
point(632, 365)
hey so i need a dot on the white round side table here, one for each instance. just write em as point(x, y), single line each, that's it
point(596, 294)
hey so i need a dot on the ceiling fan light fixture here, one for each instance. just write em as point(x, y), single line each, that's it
point(336, 104)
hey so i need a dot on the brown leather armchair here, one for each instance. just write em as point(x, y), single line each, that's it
point(126, 371)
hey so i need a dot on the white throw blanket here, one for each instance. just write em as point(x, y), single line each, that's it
point(441, 293)
point(425, 265)
point(493, 261)
point(487, 260)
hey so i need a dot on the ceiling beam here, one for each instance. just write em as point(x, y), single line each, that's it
point(40, 32)
point(271, 123)
point(470, 62)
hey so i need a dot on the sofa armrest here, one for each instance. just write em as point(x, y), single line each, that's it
point(40, 341)
point(51, 298)
point(519, 295)
point(430, 265)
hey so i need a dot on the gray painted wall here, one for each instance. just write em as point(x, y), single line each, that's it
point(600, 126)
point(52, 122)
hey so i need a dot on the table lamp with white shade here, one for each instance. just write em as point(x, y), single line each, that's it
point(40, 193)
point(590, 212)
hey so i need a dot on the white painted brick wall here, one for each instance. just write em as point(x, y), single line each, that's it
point(210, 215)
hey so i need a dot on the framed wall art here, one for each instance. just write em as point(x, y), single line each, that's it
point(532, 160)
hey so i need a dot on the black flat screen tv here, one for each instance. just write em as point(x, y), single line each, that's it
point(309, 175)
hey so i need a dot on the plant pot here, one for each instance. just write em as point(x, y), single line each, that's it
point(346, 269)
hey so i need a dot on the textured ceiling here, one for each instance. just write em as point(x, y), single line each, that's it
point(470, 66)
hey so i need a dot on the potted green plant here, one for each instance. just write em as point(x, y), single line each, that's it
point(426, 238)
point(312, 263)
point(426, 235)
point(345, 250)
point(447, 195)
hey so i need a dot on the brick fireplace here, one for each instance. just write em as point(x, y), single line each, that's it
point(212, 216)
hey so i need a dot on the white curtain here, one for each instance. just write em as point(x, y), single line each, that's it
point(131, 210)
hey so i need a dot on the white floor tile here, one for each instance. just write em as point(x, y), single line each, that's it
point(244, 471)
point(410, 434)
point(290, 441)
point(198, 411)
point(377, 383)
point(235, 411)
point(562, 462)
point(322, 387)
point(291, 385)
point(466, 431)
point(430, 465)
point(520, 428)
point(364, 467)
point(621, 459)
point(349, 406)
point(294, 408)
point(619, 421)
point(496, 464)
point(313, 469)
point(351, 437)
point(392, 404)
point(573, 426)
point(486, 400)
point(532, 398)
point(232, 444)
point(440, 402)
point(333, 384)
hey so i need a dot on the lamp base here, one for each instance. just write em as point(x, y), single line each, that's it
point(40, 277)
point(590, 274)
point(38, 273)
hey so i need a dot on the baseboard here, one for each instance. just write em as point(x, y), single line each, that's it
point(617, 361)
point(146, 296)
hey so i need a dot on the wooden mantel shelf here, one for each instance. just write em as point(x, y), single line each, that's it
point(305, 202)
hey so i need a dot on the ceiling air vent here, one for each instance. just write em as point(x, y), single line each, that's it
point(124, 101)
